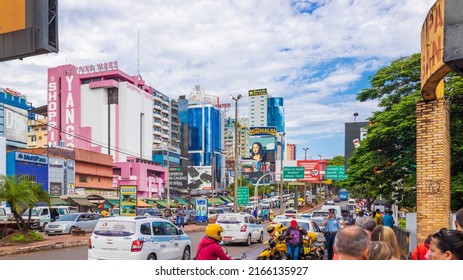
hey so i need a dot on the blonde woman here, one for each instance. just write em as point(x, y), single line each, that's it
point(380, 250)
point(382, 233)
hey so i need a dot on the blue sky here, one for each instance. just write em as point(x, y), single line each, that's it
point(317, 55)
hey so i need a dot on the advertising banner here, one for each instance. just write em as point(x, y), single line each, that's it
point(311, 170)
point(128, 201)
point(178, 178)
point(15, 124)
point(199, 178)
point(201, 210)
point(263, 131)
point(262, 153)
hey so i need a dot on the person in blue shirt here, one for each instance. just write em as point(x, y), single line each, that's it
point(332, 225)
point(388, 220)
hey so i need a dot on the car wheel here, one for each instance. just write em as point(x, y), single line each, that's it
point(44, 225)
point(186, 254)
point(151, 257)
point(72, 229)
point(248, 241)
point(261, 238)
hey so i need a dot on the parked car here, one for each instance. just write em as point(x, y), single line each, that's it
point(290, 213)
point(149, 211)
point(278, 219)
point(240, 227)
point(47, 214)
point(213, 212)
point(67, 223)
point(318, 216)
point(138, 238)
point(190, 218)
point(308, 225)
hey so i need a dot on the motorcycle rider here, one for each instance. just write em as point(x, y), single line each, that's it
point(294, 235)
point(209, 247)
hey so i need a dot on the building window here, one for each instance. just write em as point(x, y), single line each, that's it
point(33, 138)
point(83, 178)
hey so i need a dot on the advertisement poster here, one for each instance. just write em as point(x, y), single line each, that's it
point(178, 178)
point(201, 210)
point(262, 153)
point(199, 178)
point(128, 201)
point(311, 170)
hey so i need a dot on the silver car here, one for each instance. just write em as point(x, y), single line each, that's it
point(74, 221)
point(239, 228)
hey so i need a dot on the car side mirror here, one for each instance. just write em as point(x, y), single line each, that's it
point(181, 232)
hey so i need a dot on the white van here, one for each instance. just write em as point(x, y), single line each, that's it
point(47, 214)
point(337, 209)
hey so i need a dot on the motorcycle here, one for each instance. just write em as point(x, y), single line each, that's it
point(310, 250)
point(276, 245)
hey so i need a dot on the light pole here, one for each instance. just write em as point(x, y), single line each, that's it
point(355, 116)
point(305, 153)
point(235, 192)
point(320, 157)
point(167, 176)
point(281, 170)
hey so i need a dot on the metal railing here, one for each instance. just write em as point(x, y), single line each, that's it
point(403, 240)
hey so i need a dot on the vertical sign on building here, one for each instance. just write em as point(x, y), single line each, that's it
point(128, 201)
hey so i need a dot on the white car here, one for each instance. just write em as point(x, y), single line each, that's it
point(240, 227)
point(138, 238)
point(308, 225)
point(278, 219)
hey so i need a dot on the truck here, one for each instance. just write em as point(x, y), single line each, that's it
point(9, 226)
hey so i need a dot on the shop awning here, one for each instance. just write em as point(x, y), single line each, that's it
point(82, 201)
point(161, 204)
point(55, 201)
point(141, 203)
point(182, 201)
point(113, 202)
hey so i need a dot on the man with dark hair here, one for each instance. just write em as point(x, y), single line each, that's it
point(388, 220)
point(459, 220)
point(378, 217)
point(351, 243)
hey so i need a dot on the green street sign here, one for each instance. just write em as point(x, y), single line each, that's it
point(293, 172)
point(243, 195)
point(335, 172)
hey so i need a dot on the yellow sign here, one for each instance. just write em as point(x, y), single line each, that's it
point(433, 68)
point(257, 92)
point(12, 15)
point(263, 130)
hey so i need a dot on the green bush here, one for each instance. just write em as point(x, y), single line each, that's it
point(402, 223)
point(29, 237)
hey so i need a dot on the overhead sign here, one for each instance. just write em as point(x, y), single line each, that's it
point(335, 172)
point(257, 92)
point(243, 196)
point(293, 172)
point(263, 131)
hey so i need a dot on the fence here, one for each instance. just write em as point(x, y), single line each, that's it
point(403, 240)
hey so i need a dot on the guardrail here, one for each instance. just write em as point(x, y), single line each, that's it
point(403, 240)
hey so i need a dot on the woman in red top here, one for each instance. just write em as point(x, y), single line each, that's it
point(422, 249)
point(209, 247)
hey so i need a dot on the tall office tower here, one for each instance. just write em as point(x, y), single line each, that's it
point(166, 130)
point(205, 128)
point(229, 139)
point(290, 151)
point(102, 109)
point(258, 107)
point(276, 113)
point(243, 135)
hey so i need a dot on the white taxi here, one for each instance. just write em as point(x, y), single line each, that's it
point(240, 227)
point(138, 238)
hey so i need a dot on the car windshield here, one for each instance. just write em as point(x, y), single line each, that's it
point(319, 214)
point(35, 212)
point(220, 211)
point(228, 219)
point(68, 217)
point(114, 228)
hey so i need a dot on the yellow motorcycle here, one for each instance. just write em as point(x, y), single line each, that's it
point(276, 245)
point(309, 249)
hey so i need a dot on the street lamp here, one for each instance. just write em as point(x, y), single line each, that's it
point(235, 202)
point(320, 157)
point(281, 169)
point(305, 153)
point(355, 116)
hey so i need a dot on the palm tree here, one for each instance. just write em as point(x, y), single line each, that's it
point(20, 195)
point(41, 196)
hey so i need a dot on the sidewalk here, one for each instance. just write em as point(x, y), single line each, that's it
point(64, 241)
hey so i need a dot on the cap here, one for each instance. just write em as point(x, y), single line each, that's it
point(293, 223)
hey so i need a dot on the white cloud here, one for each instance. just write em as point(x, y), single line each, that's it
point(314, 59)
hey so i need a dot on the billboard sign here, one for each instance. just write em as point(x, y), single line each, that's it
point(263, 131)
point(257, 92)
point(128, 201)
point(311, 170)
point(335, 172)
point(262, 153)
point(15, 124)
point(201, 210)
point(199, 178)
point(178, 178)
point(243, 195)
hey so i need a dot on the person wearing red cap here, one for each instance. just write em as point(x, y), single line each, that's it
point(293, 236)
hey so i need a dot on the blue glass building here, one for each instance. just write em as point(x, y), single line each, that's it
point(276, 113)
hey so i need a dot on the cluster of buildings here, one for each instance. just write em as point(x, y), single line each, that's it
point(103, 129)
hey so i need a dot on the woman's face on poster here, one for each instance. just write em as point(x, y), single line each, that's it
point(255, 148)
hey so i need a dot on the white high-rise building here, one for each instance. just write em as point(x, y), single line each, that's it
point(258, 99)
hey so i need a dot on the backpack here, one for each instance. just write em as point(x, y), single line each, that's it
point(296, 237)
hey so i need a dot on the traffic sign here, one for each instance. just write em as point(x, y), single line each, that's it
point(293, 172)
point(243, 195)
point(335, 172)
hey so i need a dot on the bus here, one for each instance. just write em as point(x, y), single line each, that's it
point(343, 194)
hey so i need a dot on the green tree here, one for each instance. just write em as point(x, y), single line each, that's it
point(336, 161)
point(41, 196)
point(19, 196)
